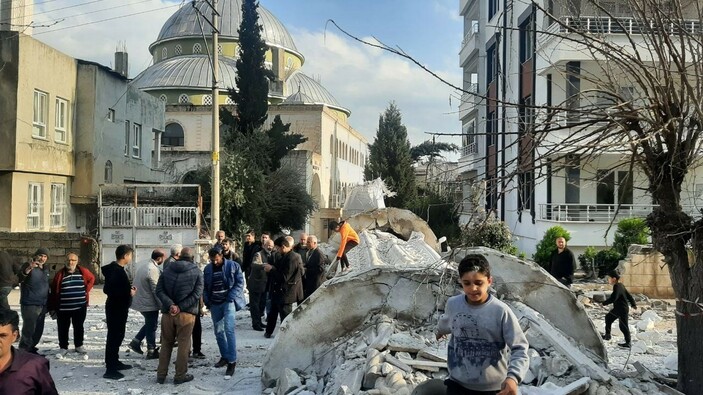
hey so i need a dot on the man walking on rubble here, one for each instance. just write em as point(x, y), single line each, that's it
point(223, 295)
point(563, 263)
point(286, 283)
point(179, 289)
point(349, 240)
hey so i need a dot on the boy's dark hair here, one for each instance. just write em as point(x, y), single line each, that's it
point(156, 254)
point(614, 274)
point(474, 263)
point(214, 251)
point(251, 232)
point(334, 224)
point(10, 317)
point(227, 240)
point(281, 242)
point(122, 250)
point(267, 233)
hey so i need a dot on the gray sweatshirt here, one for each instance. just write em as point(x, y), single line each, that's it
point(487, 344)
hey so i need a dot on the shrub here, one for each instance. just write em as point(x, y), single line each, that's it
point(547, 245)
point(630, 231)
point(587, 261)
point(606, 260)
point(490, 233)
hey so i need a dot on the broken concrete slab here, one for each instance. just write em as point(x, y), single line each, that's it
point(405, 342)
point(394, 220)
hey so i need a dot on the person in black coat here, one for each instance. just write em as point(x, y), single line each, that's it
point(315, 264)
point(250, 248)
point(563, 263)
point(119, 293)
point(286, 282)
point(621, 300)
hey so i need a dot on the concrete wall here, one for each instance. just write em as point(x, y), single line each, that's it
point(645, 272)
point(22, 246)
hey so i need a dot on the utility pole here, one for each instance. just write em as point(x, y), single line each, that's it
point(215, 206)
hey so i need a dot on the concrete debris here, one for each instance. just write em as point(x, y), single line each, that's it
point(672, 362)
point(366, 196)
point(371, 330)
point(396, 221)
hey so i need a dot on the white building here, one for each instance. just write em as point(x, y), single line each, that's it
point(512, 53)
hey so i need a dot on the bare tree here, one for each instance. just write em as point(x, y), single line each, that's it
point(638, 101)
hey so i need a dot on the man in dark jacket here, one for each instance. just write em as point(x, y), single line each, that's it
point(251, 247)
point(224, 295)
point(302, 247)
point(180, 288)
point(8, 279)
point(257, 285)
point(315, 264)
point(21, 372)
point(119, 293)
point(563, 263)
point(34, 292)
point(286, 283)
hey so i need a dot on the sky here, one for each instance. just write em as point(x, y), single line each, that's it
point(363, 79)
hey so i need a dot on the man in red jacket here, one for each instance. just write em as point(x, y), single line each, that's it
point(20, 371)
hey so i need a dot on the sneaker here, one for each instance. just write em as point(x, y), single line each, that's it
point(258, 328)
point(81, 350)
point(230, 370)
point(606, 336)
point(136, 346)
point(62, 353)
point(123, 366)
point(161, 380)
point(624, 345)
point(222, 362)
point(198, 355)
point(184, 379)
point(152, 354)
point(267, 335)
point(113, 375)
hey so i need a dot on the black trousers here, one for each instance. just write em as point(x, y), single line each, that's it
point(116, 317)
point(621, 316)
point(277, 308)
point(344, 260)
point(454, 388)
point(197, 335)
point(64, 320)
point(257, 304)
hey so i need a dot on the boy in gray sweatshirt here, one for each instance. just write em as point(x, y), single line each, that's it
point(487, 352)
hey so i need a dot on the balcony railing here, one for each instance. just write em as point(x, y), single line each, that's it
point(600, 213)
point(626, 25)
point(149, 217)
point(469, 149)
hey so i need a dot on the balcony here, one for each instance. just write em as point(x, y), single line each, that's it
point(598, 213)
point(469, 46)
point(469, 101)
point(149, 217)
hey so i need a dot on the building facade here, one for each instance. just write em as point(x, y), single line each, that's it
point(67, 126)
point(517, 60)
point(331, 160)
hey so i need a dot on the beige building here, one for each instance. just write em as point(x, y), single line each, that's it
point(330, 161)
point(68, 125)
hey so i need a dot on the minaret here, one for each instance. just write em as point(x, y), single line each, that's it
point(121, 60)
point(16, 15)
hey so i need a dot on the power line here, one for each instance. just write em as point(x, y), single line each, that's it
point(30, 4)
point(56, 9)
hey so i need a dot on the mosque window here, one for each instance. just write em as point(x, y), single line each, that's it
point(207, 100)
point(164, 53)
point(219, 49)
point(289, 63)
point(163, 98)
point(197, 48)
point(183, 99)
point(178, 50)
point(229, 101)
point(108, 172)
point(173, 136)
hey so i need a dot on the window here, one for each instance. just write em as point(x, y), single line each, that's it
point(58, 205)
point(35, 210)
point(491, 64)
point(178, 50)
point(572, 190)
point(527, 43)
point(61, 125)
point(492, 8)
point(137, 141)
point(126, 138)
point(491, 128)
point(163, 98)
point(573, 92)
point(173, 136)
point(197, 48)
point(625, 189)
point(183, 99)
point(207, 100)
point(111, 115)
point(219, 49)
point(41, 113)
point(164, 53)
point(229, 101)
point(108, 172)
point(605, 190)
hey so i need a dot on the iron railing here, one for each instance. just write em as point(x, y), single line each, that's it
point(601, 213)
point(149, 217)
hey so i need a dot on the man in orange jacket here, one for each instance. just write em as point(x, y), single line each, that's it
point(349, 240)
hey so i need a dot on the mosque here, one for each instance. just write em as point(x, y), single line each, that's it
point(330, 161)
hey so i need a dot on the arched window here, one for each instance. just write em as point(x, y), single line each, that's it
point(163, 98)
point(183, 99)
point(197, 48)
point(179, 49)
point(219, 49)
point(164, 53)
point(173, 136)
point(207, 100)
point(108, 172)
point(229, 101)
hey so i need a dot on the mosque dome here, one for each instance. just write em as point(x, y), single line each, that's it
point(305, 90)
point(187, 72)
point(187, 21)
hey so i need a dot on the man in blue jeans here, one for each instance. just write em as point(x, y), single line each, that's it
point(223, 295)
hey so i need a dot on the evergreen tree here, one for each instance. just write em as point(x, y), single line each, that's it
point(390, 159)
point(251, 95)
point(281, 141)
